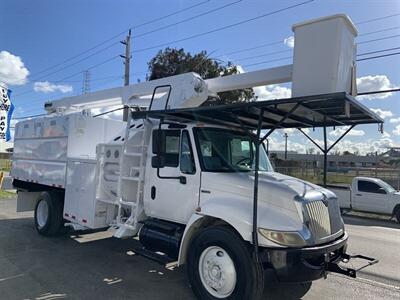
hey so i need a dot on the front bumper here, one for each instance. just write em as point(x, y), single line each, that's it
point(311, 263)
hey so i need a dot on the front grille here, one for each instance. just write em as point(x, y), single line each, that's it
point(319, 220)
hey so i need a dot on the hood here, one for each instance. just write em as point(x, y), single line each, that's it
point(285, 203)
point(275, 190)
point(269, 182)
point(301, 187)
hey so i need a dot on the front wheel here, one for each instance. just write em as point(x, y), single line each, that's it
point(220, 266)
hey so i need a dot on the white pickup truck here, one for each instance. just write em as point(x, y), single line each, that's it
point(369, 195)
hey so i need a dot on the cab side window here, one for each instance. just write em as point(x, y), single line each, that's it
point(370, 187)
point(187, 165)
point(169, 147)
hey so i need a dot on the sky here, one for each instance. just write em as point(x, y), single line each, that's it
point(41, 46)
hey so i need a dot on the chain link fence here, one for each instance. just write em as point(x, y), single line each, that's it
point(5, 165)
point(343, 176)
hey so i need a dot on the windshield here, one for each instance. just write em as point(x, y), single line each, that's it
point(222, 150)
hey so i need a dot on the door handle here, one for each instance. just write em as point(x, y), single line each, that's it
point(153, 192)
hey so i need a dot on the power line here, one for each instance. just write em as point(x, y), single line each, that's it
point(208, 32)
point(95, 79)
point(77, 73)
point(187, 19)
point(137, 36)
point(377, 19)
point(122, 32)
point(263, 55)
point(379, 31)
point(161, 28)
point(379, 92)
point(378, 51)
point(268, 61)
point(360, 59)
point(223, 27)
point(76, 62)
point(279, 43)
point(143, 34)
point(379, 56)
point(380, 39)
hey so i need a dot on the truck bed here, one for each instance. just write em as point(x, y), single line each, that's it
point(343, 194)
point(43, 146)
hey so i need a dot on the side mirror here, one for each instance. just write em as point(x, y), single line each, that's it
point(158, 161)
point(158, 145)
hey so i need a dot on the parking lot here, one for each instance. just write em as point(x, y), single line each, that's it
point(96, 266)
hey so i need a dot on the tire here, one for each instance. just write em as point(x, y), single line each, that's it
point(397, 214)
point(226, 254)
point(49, 213)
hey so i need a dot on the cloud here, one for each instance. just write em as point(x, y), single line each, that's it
point(341, 130)
point(47, 87)
point(374, 83)
point(289, 41)
point(396, 131)
point(395, 120)
point(272, 92)
point(278, 144)
point(371, 145)
point(382, 113)
point(12, 69)
point(386, 135)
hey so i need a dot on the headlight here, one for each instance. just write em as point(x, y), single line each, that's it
point(285, 238)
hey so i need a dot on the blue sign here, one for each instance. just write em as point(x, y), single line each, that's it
point(6, 110)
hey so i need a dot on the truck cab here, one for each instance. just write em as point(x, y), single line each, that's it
point(208, 171)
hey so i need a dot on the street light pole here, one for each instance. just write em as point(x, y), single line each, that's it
point(286, 137)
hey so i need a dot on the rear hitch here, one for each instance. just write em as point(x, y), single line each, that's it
point(345, 258)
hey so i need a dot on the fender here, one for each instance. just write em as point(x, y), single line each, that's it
point(238, 213)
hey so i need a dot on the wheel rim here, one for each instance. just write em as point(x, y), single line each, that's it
point(42, 213)
point(217, 272)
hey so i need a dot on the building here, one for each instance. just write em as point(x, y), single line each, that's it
point(335, 162)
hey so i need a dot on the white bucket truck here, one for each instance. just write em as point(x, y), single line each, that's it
point(194, 182)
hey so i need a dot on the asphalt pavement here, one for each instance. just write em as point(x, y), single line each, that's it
point(97, 266)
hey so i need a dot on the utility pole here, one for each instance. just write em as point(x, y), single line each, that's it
point(286, 137)
point(127, 61)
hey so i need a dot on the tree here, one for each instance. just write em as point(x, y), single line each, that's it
point(169, 62)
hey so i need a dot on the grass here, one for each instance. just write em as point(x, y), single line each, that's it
point(7, 194)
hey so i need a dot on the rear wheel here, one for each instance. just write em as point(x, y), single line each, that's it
point(220, 266)
point(48, 214)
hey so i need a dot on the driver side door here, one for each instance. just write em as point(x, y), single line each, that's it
point(173, 189)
